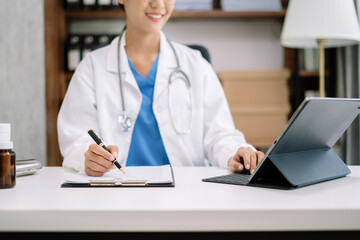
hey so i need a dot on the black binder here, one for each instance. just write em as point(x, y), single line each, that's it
point(73, 52)
point(105, 4)
point(88, 44)
point(102, 40)
point(302, 154)
point(72, 4)
point(89, 4)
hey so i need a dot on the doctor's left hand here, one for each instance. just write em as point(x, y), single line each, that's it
point(98, 160)
point(245, 159)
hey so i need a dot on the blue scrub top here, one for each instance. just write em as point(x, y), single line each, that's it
point(146, 147)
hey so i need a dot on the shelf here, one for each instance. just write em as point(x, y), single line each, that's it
point(94, 14)
point(311, 74)
point(214, 14)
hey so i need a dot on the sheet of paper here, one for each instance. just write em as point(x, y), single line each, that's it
point(151, 174)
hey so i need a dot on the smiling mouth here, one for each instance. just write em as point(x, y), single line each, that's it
point(155, 17)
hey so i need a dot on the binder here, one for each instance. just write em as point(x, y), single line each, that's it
point(143, 176)
point(73, 52)
point(105, 4)
point(89, 4)
point(302, 154)
point(72, 4)
point(113, 36)
point(103, 40)
point(88, 44)
point(115, 4)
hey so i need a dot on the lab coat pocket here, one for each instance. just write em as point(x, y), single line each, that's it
point(181, 107)
point(193, 141)
point(181, 120)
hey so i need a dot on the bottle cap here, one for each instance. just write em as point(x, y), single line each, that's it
point(5, 134)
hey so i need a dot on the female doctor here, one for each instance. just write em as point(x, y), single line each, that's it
point(154, 101)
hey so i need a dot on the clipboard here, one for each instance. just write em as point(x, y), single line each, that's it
point(141, 176)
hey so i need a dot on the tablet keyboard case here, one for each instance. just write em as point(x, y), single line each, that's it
point(303, 154)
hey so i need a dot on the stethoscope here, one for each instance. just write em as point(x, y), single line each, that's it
point(177, 74)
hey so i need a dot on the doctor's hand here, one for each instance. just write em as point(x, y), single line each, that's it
point(245, 159)
point(98, 160)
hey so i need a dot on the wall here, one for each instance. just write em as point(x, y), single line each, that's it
point(233, 44)
point(22, 76)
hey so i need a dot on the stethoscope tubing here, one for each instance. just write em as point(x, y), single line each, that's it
point(126, 122)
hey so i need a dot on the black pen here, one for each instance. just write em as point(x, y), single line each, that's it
point(101, 144)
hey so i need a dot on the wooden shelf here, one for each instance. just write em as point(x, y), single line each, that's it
point(310, 74)
point(94, 14)
point(214, 14)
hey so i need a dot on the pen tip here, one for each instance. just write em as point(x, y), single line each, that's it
point(122, 170)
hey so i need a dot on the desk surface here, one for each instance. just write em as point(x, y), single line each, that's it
point(38, 203)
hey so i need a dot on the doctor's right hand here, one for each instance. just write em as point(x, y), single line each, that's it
point(98, 160)
point(245, 159)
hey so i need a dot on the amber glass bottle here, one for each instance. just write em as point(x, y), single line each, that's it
point(7, 158)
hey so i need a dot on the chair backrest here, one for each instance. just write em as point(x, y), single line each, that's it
point(204, 51)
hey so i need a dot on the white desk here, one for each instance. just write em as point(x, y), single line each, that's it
point(38, 203)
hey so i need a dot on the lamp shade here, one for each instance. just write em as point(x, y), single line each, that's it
point(309, 20)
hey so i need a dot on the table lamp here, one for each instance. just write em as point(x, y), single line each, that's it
point(320, 24)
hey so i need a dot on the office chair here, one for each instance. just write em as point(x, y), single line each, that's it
point(203, 50)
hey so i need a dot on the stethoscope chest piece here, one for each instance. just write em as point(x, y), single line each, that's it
point(125, 123)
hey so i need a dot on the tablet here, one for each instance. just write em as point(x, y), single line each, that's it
point(302, 154)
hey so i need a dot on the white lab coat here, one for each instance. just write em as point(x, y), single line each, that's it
point(93, 101)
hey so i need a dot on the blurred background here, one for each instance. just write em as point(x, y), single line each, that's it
point(42, 41)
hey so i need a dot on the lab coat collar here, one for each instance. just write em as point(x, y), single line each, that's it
point(166, 64)
point(112, 62)
point(112, 58)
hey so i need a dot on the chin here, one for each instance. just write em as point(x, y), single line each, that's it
point(153, 29)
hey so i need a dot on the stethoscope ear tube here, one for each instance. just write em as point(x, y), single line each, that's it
point(175, 75)
point(124, 120)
